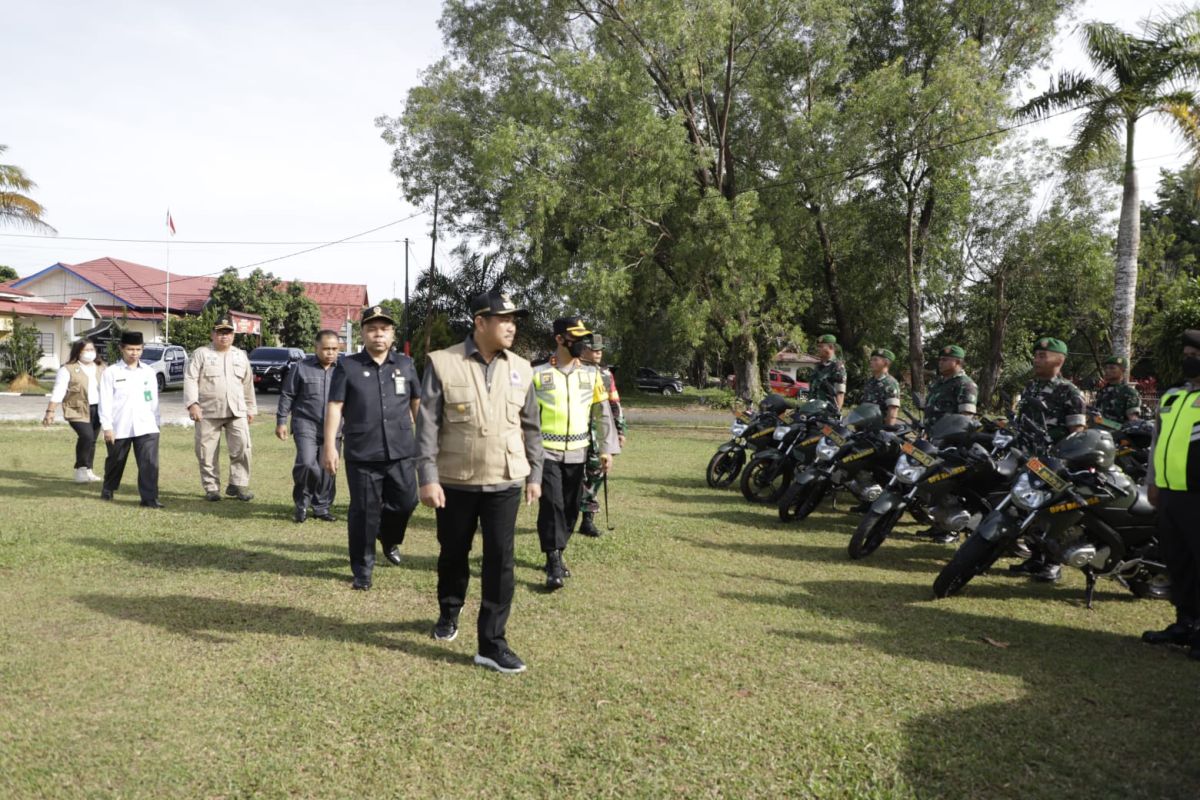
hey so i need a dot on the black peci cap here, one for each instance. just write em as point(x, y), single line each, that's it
point(131, 337)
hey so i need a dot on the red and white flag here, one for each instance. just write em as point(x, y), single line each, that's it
point(170, 223)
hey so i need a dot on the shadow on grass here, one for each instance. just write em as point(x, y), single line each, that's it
point(38, 486)
point(1096, 703)
point(927, 558)
point(222, 621)
point(183, 556)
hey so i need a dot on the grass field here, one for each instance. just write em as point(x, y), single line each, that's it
point(700, 650)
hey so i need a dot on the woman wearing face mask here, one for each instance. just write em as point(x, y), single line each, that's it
point(76, 388)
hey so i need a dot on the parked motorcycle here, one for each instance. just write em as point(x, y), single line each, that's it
point(956, 476)
point(1132, 439)
point(749, 432)
point(1079, 510)
point(859, 463)
point(771, 470)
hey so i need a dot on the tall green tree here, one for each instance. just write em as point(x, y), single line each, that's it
point(17, 208)
point(7, 274)
point(301, 318)
point(1135, 77)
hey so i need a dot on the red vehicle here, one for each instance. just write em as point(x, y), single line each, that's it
point(784, 384)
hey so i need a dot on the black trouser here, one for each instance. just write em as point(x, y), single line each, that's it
point(1179, 535)
point(562, 486)
point(145, 452)
point(311, 484)
point(85, 441)
point(496, 513)
point(383, 495)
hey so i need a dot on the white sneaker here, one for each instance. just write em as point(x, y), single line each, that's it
point(81, 475)
point(93, 477)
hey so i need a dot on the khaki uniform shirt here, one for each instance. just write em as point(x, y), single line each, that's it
point(222, 383)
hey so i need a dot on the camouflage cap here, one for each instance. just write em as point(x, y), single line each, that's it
point(1119, 361)
point(883, 352)
point(952, 351)
point(827, 338)
point(1051, 345)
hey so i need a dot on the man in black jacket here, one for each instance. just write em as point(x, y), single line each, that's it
point(304, 393)
point(378, 393)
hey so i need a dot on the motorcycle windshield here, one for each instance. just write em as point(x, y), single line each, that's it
point(812, 408)
point(952, 428)
point(866, 417)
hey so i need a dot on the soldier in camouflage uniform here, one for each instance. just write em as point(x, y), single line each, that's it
point(1064, 414)
point(828, 380)
point(593, 475)
point(952, 392)
point(1118, 401)
point(881, 388)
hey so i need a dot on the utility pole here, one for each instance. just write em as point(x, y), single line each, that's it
point(406, 342)
point(432, 267)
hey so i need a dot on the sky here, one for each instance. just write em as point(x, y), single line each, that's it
point(255, 122)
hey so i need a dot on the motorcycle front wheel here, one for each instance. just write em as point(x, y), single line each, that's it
point(800, 500)
point(764, 480)
point(975, 556)
point(723, 468)
point(872, 531)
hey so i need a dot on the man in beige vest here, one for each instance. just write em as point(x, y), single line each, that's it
point(479, 451)
point(218, 392)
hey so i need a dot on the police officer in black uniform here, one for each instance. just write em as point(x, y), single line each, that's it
point(378, 393)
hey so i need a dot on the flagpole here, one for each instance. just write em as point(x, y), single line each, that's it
point(167, 310)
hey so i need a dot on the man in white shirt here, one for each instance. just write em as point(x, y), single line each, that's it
point(129, 418)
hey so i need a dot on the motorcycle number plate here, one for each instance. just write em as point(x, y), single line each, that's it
point(916, 454)
point(833, 435)
point(1048, 475)
point(859, 454)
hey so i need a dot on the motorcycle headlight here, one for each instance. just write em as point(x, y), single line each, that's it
point(1028, 494)
point(738, 428)
point(781, 432)
point(908, 471)
point(826, 449)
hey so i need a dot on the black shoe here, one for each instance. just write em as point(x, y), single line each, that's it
point(505, 661)
point(240, 492)
point(555, 573)
point(1026, 568)
point(152, 504)
point(299, 515)
point(361, 585)
point(943, 537)
point(1179, 633)
point(1049, 573)
point(325, 516)
point(392, 554)
point(106, 495)
point(588, 527)
point(212, 496)
point(446, 629)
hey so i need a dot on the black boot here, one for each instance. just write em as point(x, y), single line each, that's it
point(554, 570)
point(1180, 632)
point(588, 526)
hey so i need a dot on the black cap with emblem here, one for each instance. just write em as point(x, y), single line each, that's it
point(223, 323)
point(495, 304)
point(374, 313)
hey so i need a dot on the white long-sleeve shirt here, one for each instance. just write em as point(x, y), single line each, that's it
point(63, 379)
point(129, 400)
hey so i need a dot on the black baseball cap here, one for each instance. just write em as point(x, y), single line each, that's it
point(223, 323)
point(571, 328)
point(495, 304)
point(372, 313)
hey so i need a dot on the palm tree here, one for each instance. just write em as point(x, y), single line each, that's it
point(1154, 74)
point(16, 207)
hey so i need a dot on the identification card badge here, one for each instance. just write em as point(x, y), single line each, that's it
point(400, 383)
point(146, 393)
point(547, 380)
point(514, 378)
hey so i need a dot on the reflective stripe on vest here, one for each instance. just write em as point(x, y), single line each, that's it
point(1177, 452)
point(566, 403)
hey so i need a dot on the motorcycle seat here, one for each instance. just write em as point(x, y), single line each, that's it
point(1141, 506)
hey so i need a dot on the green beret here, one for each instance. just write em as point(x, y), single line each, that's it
point(1120, 361)
point(883, 352)
point(952, 351)
point(1051, 345)
point(827, 338)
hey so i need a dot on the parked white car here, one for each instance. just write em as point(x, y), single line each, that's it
point(169, 361)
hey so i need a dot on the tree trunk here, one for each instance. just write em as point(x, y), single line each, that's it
point(1129, 234)
point(916, 344)
point(989, 375)
point(698, 372)
point(848, 338)
point(745, 362)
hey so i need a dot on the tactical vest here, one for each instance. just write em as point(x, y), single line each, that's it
point(480, 442)
point(75, 402)
point(566, 403)
point(1177, 452)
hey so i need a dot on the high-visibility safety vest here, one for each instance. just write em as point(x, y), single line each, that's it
point(1177, 451)
point(565, 402)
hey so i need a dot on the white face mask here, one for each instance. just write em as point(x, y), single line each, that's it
point(87, 356)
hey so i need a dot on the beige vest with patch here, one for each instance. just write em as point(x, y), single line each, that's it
point(480, 441)
point(75, 403)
